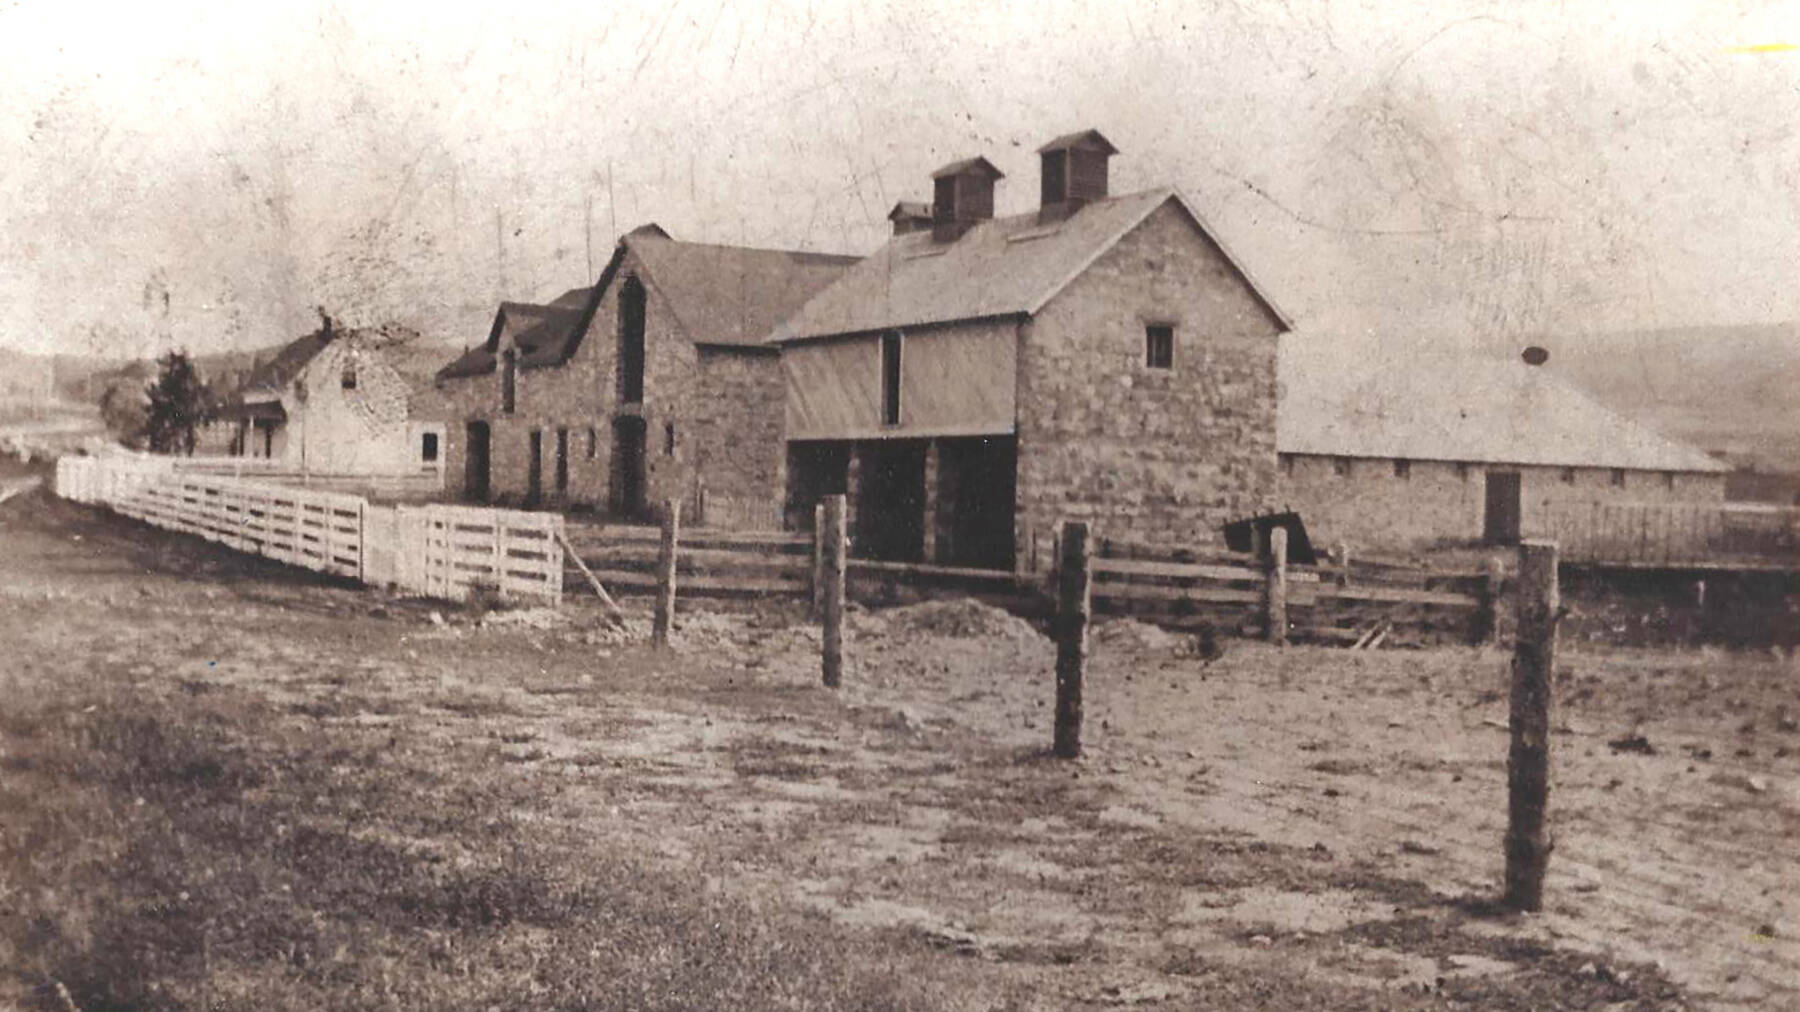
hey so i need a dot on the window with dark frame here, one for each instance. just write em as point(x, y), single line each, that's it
point(668, 439)
point(347, 379)
point(509, 376)
point(1402, 467)
point(1618, 477)
point(428, 447)
point(562, 459)
point(890, 379)
point(593, 442)
point(1159, 346)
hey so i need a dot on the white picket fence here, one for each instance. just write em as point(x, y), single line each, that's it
point(431, 550)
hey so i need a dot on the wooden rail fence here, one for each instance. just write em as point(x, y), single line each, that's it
point(433, 550)
point(1675, 535)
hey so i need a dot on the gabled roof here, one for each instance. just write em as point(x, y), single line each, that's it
point(534, 329)
point(970, 167)
point(1090, 140)
point(279, 371)
point(1003, 267)
point(1342, 399)
point(733, 295)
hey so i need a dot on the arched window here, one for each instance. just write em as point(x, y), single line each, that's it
point(631, 342)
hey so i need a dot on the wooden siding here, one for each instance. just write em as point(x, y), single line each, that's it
point(957, 381)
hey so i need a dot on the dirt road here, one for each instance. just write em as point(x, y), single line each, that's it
point(1282, 828)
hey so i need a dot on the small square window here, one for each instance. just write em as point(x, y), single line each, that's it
point(428, 447)
point(1287, 463)
point(347, 379)
point(1462, 471)
point(1669, 479)
point(1618, 477)
point(1402, 468)
point(1568, 476)
point(1340, 466)
point(1159, 346)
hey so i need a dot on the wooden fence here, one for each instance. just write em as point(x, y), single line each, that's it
point(432, 550)
point(422, 482)
point(1230, 591)
point(1675, 535)
point(709, 562)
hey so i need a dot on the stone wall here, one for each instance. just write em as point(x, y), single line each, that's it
point(1366, 503)
point(715, 411)
point(1155, 455)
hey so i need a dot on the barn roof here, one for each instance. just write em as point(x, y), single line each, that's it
point(1003, 267)
point(719, 295)
point(1340, 399)
point(532, 326)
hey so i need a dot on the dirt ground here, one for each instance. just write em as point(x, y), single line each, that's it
point(1300, 827)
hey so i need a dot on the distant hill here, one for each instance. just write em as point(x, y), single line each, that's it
point(1734, 391)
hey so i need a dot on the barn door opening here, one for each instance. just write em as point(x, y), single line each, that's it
point(890, 505)
point(1504, 508)
point(627, 486)
point(475, 465)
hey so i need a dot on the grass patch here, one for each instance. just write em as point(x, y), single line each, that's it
point(208, 852)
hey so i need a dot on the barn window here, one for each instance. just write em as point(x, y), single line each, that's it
point(1287, 463)
point(1462, 471)
point(1340, 466)
point(1402, 468)
point(1669, 479)
point(593, 442)
point(1568, 476)
point(668, 439)
point(1618, 477)
point(347, 378)
point(890, 379)
point(428, 447)
point(562, 459)
point(631, 342)
point(1159, 346)
point(509, 381)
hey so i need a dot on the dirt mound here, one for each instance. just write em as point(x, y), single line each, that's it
point(965, 618)
point(1130, 634)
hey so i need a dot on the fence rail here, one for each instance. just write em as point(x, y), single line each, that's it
point(433, 550)
point(1231, 591)
point(1738, 535)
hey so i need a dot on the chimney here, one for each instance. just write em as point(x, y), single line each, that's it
point(1074, 173)
point(963, 194)
point(910, 216)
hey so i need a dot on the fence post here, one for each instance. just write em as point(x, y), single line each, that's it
point(1275, 588)
point(1493, 584)
point(818, 559)
point(831, 603)
point(1074, 605)
point(1528, 843)
point(1343, 553)
point(665, 573)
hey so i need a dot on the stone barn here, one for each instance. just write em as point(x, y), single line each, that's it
point(653, 384)
point(328, 403)
point(1381, 452)
point(979, 379)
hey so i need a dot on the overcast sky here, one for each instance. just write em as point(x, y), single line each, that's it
point(1434, 172)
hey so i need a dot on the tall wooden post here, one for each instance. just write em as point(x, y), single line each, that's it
point(1343, 554)
point(831, 607)
point(665, 573)
point(1073, 609)
point(818, 560)
point(1275, 591)
point(1528, 842)
point(1493, 585)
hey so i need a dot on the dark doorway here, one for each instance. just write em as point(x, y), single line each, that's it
point(475, 465)
point(815, 470)
point(628, 479)
point(265, 427)
point(1500, 525)
point(890, 504)
point(631, 342)
point(534, 470)
point(977, 479)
